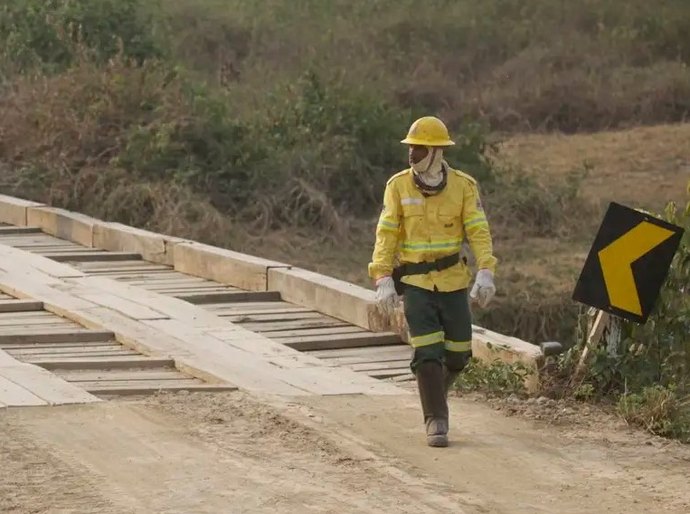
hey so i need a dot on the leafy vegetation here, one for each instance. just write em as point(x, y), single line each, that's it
point(650, 375)
point(497, 378)
point(272, 126)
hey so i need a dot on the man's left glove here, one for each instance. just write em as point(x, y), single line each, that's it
point(386, 295)
point(483, 287)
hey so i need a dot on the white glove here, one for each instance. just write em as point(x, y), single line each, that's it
point(483, 287)
point(386, 295)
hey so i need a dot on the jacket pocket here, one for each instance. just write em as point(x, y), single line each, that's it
point(450, 220)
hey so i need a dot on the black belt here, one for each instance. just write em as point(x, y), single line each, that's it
point(422, 268)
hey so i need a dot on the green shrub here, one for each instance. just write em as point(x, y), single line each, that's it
point(50, 34)
point(659, 410)
point(651, 373)
point(497, 378)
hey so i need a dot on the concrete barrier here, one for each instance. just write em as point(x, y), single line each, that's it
point(154, 247)
point(14, 210)
point(57, 222)
point(333, 297)
point(225, 266)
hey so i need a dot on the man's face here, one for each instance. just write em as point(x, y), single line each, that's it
point(417, 153)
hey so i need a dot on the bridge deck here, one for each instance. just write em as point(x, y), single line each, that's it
point(337, 343)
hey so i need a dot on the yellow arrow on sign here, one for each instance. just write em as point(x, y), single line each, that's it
point(616, 260)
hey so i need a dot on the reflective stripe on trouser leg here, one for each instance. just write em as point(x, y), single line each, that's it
point(456, 319)
point(426, 340)
point(424, 323)
point(458, 346)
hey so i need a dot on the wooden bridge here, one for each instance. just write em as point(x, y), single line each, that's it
point(92, 309)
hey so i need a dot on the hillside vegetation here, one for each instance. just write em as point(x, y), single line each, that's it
point(271, 127)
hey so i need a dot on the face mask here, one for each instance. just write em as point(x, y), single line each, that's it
point(429, 168)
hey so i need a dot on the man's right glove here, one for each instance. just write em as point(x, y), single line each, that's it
point(386, 295)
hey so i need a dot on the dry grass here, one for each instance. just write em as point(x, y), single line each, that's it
point(644, 166)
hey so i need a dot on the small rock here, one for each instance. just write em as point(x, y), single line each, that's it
point(542, 400)
point(513, 398)
point(531, 401)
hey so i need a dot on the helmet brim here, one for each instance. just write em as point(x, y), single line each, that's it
point(422, 142)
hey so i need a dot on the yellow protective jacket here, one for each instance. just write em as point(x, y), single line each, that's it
point(415, 228)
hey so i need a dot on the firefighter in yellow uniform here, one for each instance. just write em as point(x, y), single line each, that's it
point(429, 211)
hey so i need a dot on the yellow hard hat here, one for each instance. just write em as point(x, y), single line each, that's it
point(428, 131)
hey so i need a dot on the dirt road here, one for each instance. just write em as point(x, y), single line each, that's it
point(229, 453)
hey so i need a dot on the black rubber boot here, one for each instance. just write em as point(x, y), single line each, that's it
point(432, 393)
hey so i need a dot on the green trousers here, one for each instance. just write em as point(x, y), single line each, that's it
point(440, 326)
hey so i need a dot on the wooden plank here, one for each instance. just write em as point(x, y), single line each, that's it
point(224, 266)
point(254, 307)
point(34, 247)
point(397, 365)
point(71, 226)
point(39, 241)
point(231, 307)
point(324, 331)
point(154, 247)
point(328, 295)
point(43, 322)
point(14, 210)
point(28, 315)
point(119, 375)
point(123, 361)
point(342, 341)
point(268, 326)
point(19, 230)
point(28, 330)
point(140, 278)
point(58, 249)
point(189, 314)
point(350, 352)
point(45, 385)
point(158, 280)
point(388, 373)
point(229, 296)
point(122, 267)
point(131, 263)
point(381, 360)
point(91, 256)
point(124, 390)
point(295, 316)
point(69, 353)
point(20, 306)
point(177, 290)
point(14, 395)
point(13, 259)
point(153, 385)
point(78, 335)
point(126, 273)
point(129, 307)
point(24, 346)
point(135, 265)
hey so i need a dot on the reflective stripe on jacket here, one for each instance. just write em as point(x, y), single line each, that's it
point(415, 228)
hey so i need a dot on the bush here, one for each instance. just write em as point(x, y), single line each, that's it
point(50, 34)
point(650, 375)
point(497, 378)
point(659, 410)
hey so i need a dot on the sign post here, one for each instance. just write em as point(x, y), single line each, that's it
point(624, 271)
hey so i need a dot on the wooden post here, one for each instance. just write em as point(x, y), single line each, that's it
point(596, 332)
